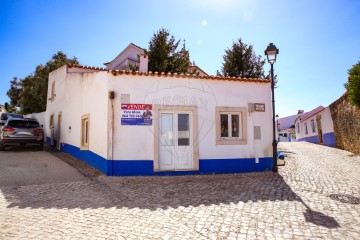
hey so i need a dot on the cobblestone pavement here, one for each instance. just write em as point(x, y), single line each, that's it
point(294, 204)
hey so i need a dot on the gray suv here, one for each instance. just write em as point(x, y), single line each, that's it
point(21, 131)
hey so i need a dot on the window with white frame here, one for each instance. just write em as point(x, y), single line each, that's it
point(85, 130)
point(230, 126)
point(313, 125)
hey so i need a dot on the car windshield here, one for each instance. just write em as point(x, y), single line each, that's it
point(5, 116)
point(23, 124)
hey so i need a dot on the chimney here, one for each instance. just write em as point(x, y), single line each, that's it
point(144, 60)
point(300, 111)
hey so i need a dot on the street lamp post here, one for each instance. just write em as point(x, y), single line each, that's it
point(271, 53)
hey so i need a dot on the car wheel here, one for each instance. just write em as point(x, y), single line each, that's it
point(2, 147)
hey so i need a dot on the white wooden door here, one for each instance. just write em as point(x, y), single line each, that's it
point(175, 141)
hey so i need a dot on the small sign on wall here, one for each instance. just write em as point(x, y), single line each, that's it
point(136, 114)
point(259, 107)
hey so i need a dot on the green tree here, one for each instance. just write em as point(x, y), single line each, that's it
point(30, 93)
point(164, 56)
point(354, 84)
point(14, 92)
point(241, 61)
point(8, 107)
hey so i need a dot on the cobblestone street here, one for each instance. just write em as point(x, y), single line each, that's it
point(294, 204)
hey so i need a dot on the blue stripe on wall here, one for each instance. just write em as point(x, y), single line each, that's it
point(48, 141)
point(329, 139)
point(312, 139)
point(145, 167)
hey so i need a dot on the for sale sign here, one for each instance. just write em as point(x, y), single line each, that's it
point(136, 114)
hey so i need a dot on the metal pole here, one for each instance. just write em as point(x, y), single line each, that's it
point(274, 143)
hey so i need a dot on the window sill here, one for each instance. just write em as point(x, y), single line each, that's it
point(231, 142)
point(84, 148)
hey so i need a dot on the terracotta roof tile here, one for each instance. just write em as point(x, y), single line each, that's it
point(162, 74)
point(311, 113)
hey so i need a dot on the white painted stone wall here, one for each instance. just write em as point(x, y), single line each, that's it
point(78, 94)
point(326, 123)
point(137, 142)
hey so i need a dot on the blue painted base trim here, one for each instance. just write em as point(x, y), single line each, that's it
point(328, 138)
point(48, 141)
point(206, 166)
point(312, 139)
point(145, 167)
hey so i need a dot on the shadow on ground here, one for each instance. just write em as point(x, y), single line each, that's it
point(152, 193)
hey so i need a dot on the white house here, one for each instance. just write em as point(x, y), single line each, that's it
point(316, 126)
point(136, 123)
point(132, 57)
point(2, 109)
point(286, 128)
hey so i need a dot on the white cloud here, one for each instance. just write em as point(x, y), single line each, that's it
point(204, 23)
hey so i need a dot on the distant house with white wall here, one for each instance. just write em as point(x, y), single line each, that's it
point(132, 57)
point(286, 128)
point(135, 58)
point(142, 123)
point(2, 109)
point(194, 69)
point(315, 126)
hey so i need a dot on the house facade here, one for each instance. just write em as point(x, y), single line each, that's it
point(316, 126)
point(286, 128)
point(2, 109)
point(128, 123)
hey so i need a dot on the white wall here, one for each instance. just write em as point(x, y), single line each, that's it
point(40, 117)
point(78, 94)
point(326, 124)
point(137, 142)
point(326, 121)
point(130, 52)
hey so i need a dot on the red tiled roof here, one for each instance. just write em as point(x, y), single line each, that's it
point(87, 67)
point(311, 113)
point(162, 74)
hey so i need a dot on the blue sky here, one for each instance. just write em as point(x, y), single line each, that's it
point(318, 40)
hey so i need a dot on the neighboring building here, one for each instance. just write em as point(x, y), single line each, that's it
point(316, 126)
point(138, 123)
point(135, 58)
point(2, 109)
point(132, 57)
point(286, 128)
point(193, 69)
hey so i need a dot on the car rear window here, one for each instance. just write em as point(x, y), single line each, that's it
point(9, 115)
point(23, 124)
